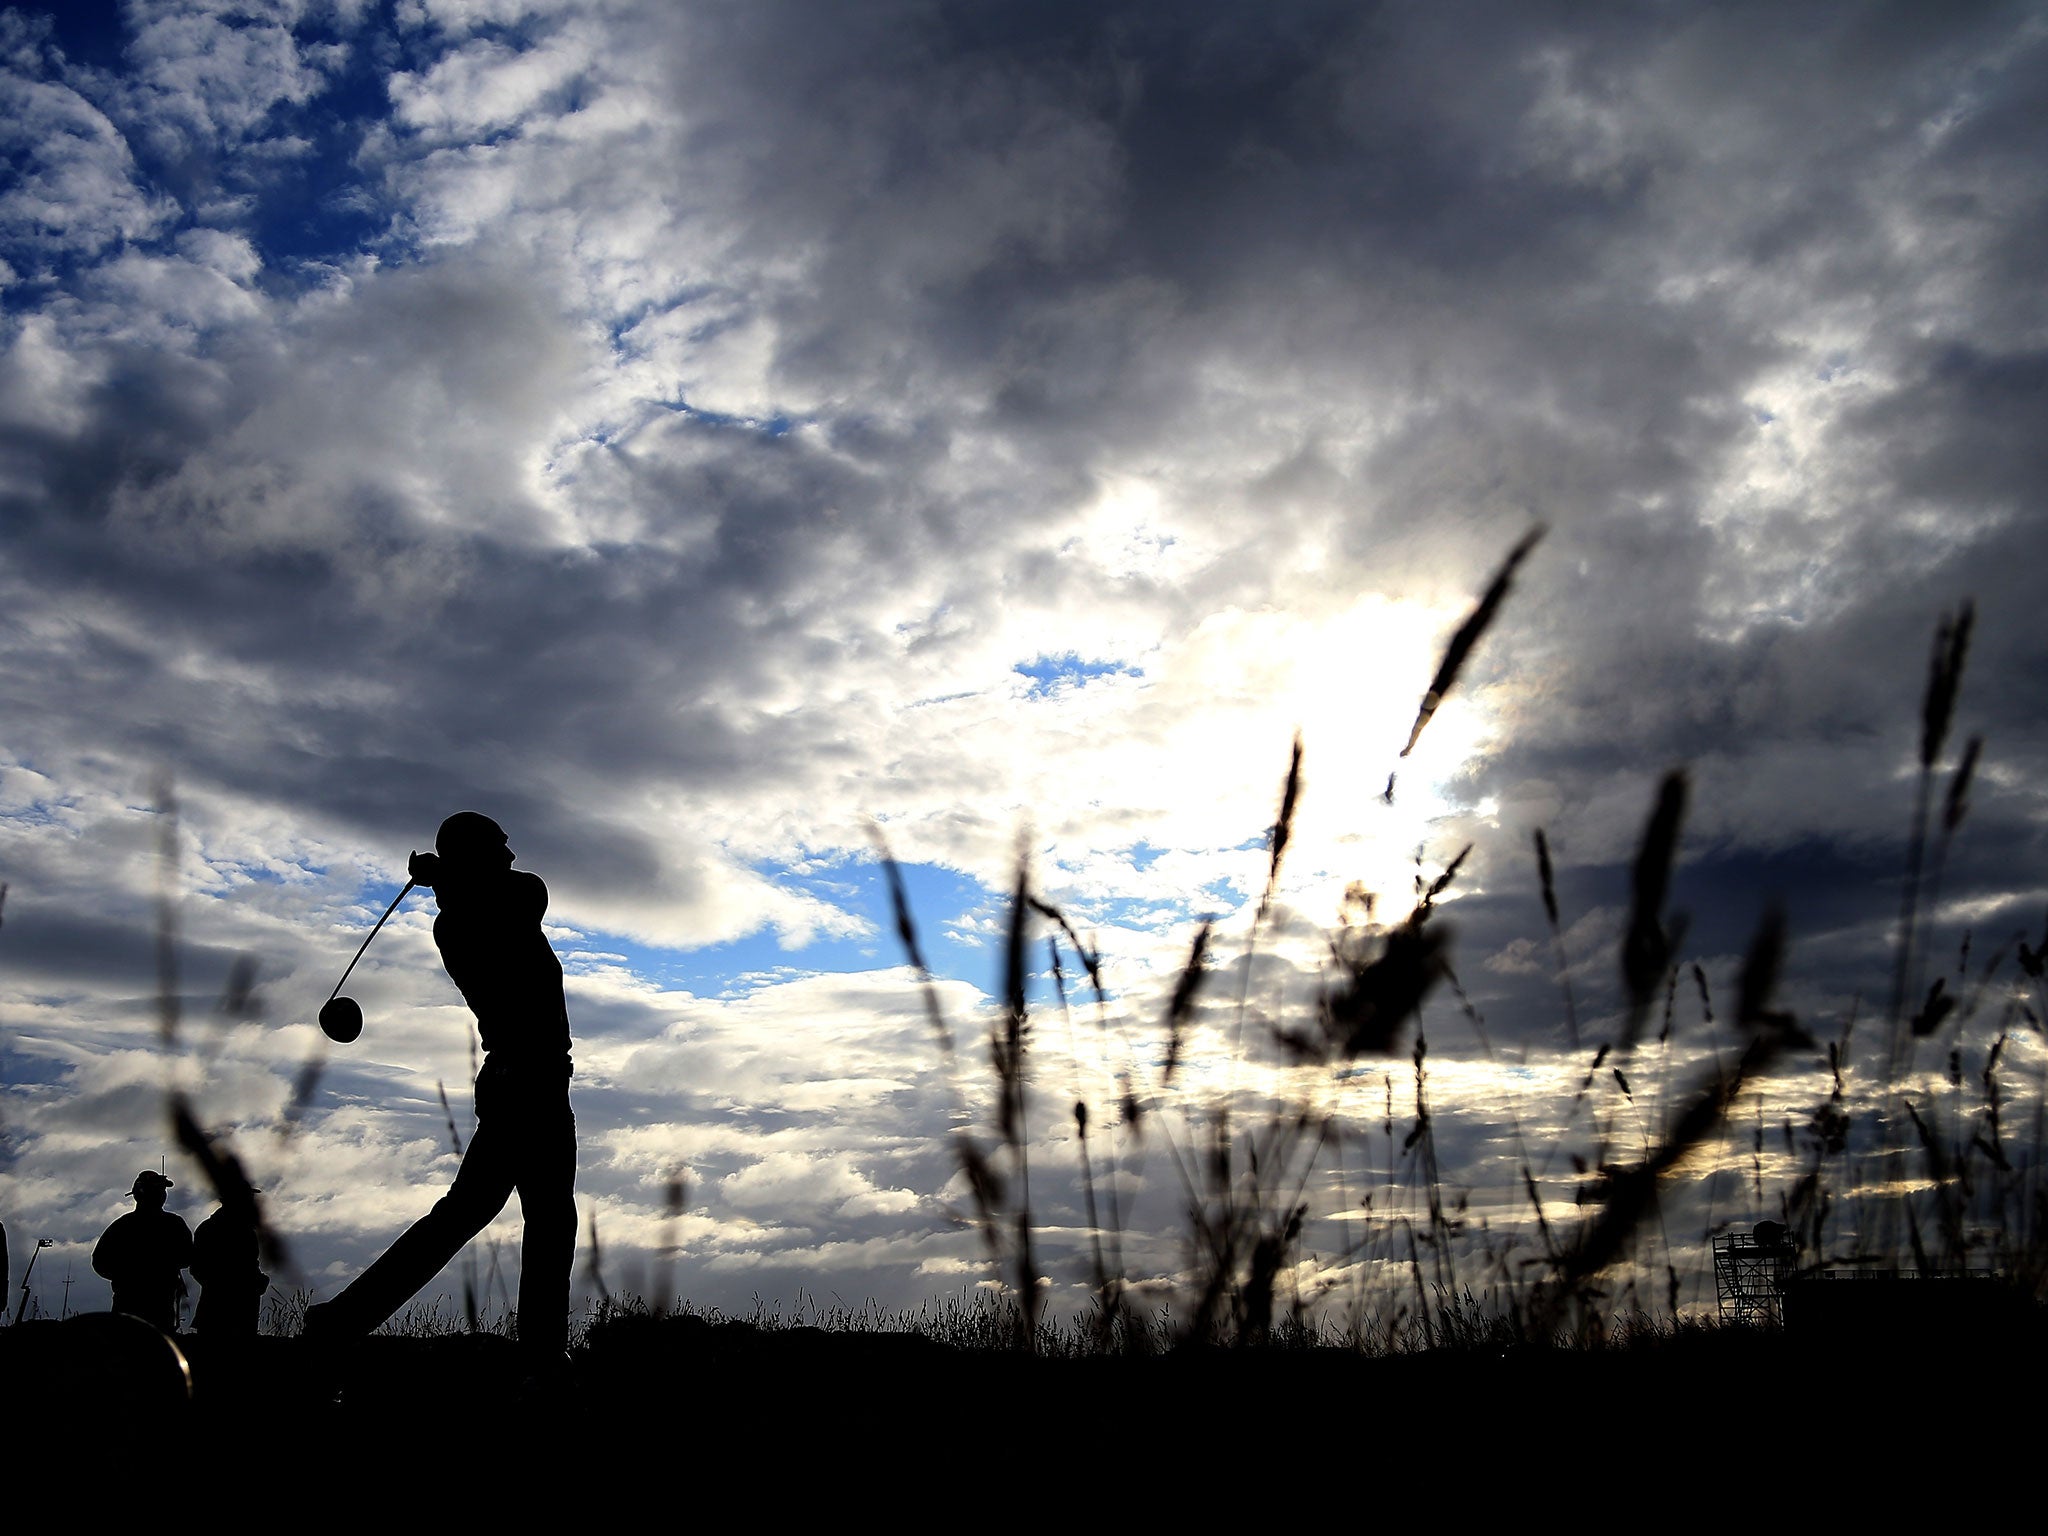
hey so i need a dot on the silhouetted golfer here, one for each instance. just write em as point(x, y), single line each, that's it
point(490, 940)
point(231, 1281)
point(144, 1253)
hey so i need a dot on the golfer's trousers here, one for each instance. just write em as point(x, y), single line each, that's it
point(526, 1141)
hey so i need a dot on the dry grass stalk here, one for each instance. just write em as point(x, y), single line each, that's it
point(1958, 803)
point(1937, 713)
point(1007, 1045)
point(1283, 827)
point(1004, 1223)
point(595, 1271)
point(168, 998)
point(1468, 634)
point(1182, 1004)
point(1564, 970)
point(227, 1179)
point(906, 932)
point(1384, 986)
point(1648, 946)
point(1944, 681)
point(1631, 1193)
point(448, 1115)
point(1091, 958)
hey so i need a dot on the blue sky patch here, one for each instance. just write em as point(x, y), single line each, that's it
point(1052, 674)
point(937, 897)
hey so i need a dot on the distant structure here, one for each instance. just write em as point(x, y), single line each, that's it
point(1757, 1279)
point(1751, 1271)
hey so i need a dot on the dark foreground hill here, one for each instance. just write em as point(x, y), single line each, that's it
point(792, 1411)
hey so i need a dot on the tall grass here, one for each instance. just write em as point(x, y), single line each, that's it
point(1890, 1167)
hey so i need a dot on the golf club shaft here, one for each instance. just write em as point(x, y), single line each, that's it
point(373, 933)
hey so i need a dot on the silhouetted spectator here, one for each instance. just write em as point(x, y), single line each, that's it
point(231, 1282)
point(490, 939)
point(144, 1253)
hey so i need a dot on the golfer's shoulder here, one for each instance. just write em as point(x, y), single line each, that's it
point(532, 891)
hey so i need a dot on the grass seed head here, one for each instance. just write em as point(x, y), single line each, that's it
point(1958, 805)
point(1469, 633)
point(230, 1184)
point(1283, 825)
point(1935, 1011)
point(1944, 681)
point(1543, 871)
point(1182, 1004)
point(1364, 1014)
point(1647, 946)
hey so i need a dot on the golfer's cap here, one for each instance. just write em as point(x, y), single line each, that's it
point(149, 1178)
point(468, 832)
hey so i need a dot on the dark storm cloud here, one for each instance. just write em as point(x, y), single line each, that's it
point(55, 945)
point(1085, 205)
point(1489, 232)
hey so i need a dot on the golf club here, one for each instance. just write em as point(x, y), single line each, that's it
point(341, 1018)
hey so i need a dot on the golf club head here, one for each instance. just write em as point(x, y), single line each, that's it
point(342, 1019)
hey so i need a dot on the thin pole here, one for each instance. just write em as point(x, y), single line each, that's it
point(22, 1306)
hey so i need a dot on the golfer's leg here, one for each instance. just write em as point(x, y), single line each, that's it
point(481, 1187)
point(547, 1201)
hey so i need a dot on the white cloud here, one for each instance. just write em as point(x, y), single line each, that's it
point(212, 75)
point(76, 192)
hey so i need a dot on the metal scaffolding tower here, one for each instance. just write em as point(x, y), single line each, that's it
point(1750, 1273)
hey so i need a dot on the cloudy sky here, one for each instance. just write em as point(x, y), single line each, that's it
point(697, 434)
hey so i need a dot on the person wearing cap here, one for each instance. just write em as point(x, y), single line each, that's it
point(231, 1281)
point(489, 934)
point(144, 1254)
